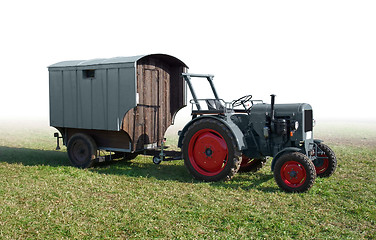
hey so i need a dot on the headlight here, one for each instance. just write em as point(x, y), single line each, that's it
point(294, 125)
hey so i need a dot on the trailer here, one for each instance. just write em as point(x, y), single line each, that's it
point(122, 104)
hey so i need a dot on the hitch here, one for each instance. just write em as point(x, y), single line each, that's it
point(56, 135)
point(165, 155)
point(157, 159)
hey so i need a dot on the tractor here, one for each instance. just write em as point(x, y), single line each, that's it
point(226, 137)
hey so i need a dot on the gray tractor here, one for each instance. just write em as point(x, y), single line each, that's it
point(226, 137)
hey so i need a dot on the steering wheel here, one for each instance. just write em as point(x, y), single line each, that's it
point(241, 101)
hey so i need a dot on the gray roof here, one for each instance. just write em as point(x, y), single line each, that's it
point(115, 60)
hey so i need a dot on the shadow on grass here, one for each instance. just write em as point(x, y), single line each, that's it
point(144, 167)
point(140, 167)
point(248, 181)
point(33, 157)
point(176, 171)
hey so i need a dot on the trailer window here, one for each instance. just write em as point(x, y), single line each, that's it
point(90, 73)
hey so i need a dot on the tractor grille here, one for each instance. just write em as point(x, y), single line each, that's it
point(308, 120)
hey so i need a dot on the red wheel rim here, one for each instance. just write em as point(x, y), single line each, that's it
point(208, 152)
point(322, 164)
point(293, 174)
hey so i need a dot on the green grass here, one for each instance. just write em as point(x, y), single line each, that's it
point(43, 197)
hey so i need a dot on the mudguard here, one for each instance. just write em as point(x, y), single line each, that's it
point(239, 136)
point(284, 151)
point(317, 141)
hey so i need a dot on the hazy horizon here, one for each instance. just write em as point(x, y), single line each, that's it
point(321, 53)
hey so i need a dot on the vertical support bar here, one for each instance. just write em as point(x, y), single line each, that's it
point(188, 80)
point(210, 79)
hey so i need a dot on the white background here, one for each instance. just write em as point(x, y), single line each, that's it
point(319, 52)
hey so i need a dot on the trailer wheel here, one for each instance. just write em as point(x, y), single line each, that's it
point(294, 172)
point(210, 151)
point(251, 165)
point(326, 163)
point(82, 150)
point(157, 159)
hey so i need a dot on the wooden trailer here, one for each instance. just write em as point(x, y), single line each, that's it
point(122, 104)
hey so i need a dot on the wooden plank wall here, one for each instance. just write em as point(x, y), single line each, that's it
point(160, 89)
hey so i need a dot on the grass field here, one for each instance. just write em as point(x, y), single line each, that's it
point(43, 197)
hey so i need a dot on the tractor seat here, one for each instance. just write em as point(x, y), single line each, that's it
point(214, 107)
point(214, 104)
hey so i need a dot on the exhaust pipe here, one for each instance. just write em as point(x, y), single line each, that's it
point(272, 106)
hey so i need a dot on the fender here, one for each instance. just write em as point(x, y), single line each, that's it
point(284, 151)
point(239, 136)
point(317, 141)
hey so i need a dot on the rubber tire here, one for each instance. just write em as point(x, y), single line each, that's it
point(86, 145)
point(253, 166)
point(332, 161)
point(157, 160)
point(233, 163)
point(305, 162)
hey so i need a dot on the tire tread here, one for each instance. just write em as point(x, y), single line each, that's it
point(237, 153)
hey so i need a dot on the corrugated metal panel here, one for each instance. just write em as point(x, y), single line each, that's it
point(91, 103)
point(113, 97)
point(70, 98)
point(84, 102)
point(99, 100)
point(127, 92)
point(56, 98)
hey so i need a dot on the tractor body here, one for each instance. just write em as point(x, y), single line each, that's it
point(271, 131)
point(253, 131)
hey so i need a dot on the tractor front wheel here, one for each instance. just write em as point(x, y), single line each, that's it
point(326, 162)
point(294, 172)
point(210, 151)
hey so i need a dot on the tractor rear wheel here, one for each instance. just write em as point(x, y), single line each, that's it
point(82, 150)
point(251, 165)
point(326, 163)
point(294, 172)
point(210, 151)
